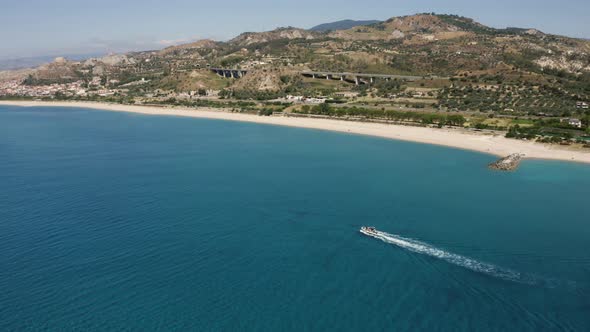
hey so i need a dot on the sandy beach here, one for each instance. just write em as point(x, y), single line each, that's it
point(496, 145)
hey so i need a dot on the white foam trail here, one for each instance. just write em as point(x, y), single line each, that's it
point(465, 262)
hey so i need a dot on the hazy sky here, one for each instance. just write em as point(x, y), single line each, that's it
point(52, 27)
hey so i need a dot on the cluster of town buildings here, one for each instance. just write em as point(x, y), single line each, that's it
point(16, 88)
point(305, 100)
point(72, 89)
point(577, 123)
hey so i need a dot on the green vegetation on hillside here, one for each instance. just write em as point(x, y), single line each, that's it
point(357, 112)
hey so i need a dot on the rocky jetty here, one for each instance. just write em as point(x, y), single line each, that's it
point(509, 163)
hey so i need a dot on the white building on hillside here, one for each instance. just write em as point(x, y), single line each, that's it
point(575, 123)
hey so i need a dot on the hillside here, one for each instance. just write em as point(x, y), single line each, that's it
point(342, 25)
point(200, 44)
point(419, 44)
point(31, 62)
point(480, 69)
point(289, 33)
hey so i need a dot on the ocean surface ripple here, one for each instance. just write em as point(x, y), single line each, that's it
point(124, 222)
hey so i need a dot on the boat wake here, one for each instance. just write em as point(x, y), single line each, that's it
point(462, 261)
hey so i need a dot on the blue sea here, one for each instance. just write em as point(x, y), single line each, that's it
point(124, 222)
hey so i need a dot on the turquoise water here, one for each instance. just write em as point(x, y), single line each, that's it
point(113, 221)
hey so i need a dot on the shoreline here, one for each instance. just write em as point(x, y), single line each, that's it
point(454, 138)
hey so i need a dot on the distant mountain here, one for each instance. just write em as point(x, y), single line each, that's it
point(342, 25)
point(30, 62)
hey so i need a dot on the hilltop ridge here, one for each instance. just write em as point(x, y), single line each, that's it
point(342, 25)
point(425, 69)
point(510, 70)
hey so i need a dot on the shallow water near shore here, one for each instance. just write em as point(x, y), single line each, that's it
point(114, 221)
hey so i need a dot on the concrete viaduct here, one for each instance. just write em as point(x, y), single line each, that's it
point(229, 73)
point(356, 78)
